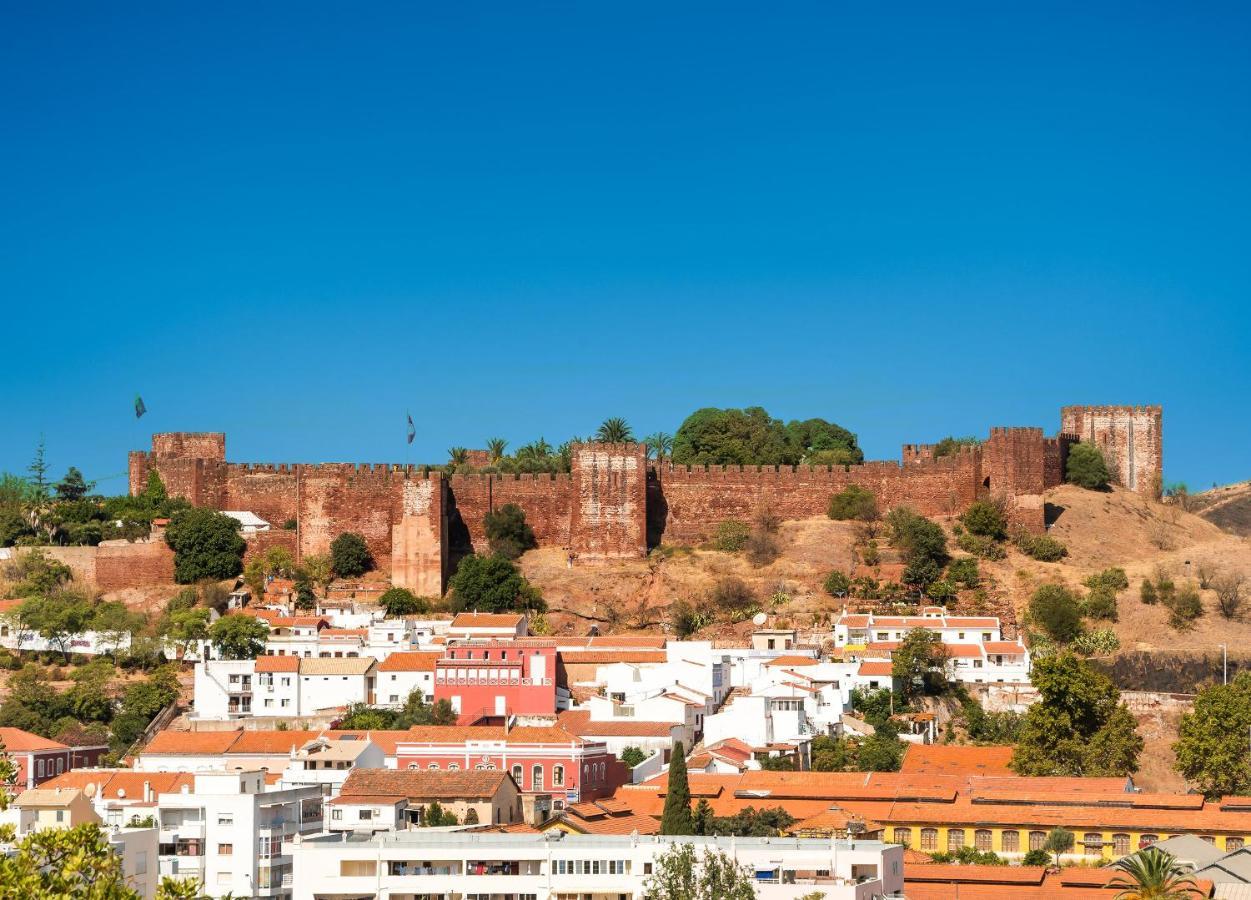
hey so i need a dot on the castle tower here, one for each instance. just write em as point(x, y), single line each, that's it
point(1131, 438)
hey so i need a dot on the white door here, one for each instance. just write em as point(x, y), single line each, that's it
point(499, 706)
point(538, 667)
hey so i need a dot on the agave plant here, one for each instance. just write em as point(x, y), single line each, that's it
point(1152, 874)
point(614, 431)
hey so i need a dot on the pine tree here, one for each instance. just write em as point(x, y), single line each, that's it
point(676, 818)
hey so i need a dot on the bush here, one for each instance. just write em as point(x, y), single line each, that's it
point(982, 547)
point(964, 572)
point(1100, 603)
point(207, 546)
point(492, 584)
point(921, 572)
point(1147, 593)
point(731, 536)
point(1054, 609)
point(853, 502)
point(398, 601)
point(507, 532)
point(731, 595)
point(1184, 607)
point(685, 620)
point(869, 554)
point(290, 525)
point(1087, 468)
point(1041, 547)
point(1036, 858)
point(1113, 579)
point(916, 536)
point(985, 519)
point(1099, 642)
point(349, 555)
point(941, 592)
point(837, 583)
point(632, 756)
point(762, 549)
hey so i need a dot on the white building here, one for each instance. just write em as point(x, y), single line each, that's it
point(442, 865)
point(281, 686)
point(490, 626)
point(401, 673)
point(325, 762)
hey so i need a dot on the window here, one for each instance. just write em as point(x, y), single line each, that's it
point(227, 819)
point(225, 849)
point(955, 839)
point(1233, 843)
point(1120, 844)
point(60, 766)
point(929, 838)
point(39, 768)
point(453, 767)
point(981, 839)
point(60, 815)
point(558, 776)
point(1207, 837)
point(1092, 843)
point(433, 767)
point(336, 814)
point(536, 778)
point(366, 815)
point(1147, 840)
point(1037, 839)
point(1010, 842)
point(903, 836)
point(517, 775)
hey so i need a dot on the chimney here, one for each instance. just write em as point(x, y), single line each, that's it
point(147, 792)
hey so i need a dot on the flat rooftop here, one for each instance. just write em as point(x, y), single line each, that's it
point(430, 838)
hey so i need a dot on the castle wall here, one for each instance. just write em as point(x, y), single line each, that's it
point(545, 498)
point(1131, 438)
point(1014, 464)
point(122, 565)
point(609, 514)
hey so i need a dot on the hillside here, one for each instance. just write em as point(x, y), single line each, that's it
point(1228, 507)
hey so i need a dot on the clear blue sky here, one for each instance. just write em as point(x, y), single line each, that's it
point(294, 223)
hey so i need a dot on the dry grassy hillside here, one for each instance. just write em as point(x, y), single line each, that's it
point(1228, 507)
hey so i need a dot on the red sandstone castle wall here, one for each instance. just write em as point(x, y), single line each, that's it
point(546, 500)
point(609, 514)
point(1131, 438)
point(126, 565)
point(190, 445)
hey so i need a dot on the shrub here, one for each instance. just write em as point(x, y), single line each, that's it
point(964, 572)
point(349, 555)
point(1184, 607)
point(398, 601)
point(492, 584)
point(762, 548)
point(921, 572)
point(869, 554)
point(1054, 608)
point(1100, 603)
point(206, 544)
point(731, 595)
point(1087, 468)
point(1036, 858)
point(1041, 547)
point(1230, 593)
point(731, 536)
point(837, 583)
point(632, 756)
point(983, 547)
point(1098, 642)
point(985, 519)
point(289, 525)
point(685, 620)
point(916, 536)
point(1113, 579)
point(1147, 593)
point(507, 532)
point(942, 592)
point(853, 502)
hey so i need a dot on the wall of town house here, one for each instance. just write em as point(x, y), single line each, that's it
point(1108, 839)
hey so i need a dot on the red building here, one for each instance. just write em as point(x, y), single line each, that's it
point(39, 759)
point(543, 759)
point(488, 680)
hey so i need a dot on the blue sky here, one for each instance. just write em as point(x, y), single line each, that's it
point(294, 223)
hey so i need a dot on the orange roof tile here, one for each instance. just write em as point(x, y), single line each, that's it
point(277, 664)
point(579, 722)
point(792, 660)
point(947, 759)
point(487, 620)
point(410, 661)
point(420, 785)
point(15, 739)
point(606, 657)
point(869, 668)
point(116, 784)
point(270, 742)
point(1007, 648)
point(198, 743)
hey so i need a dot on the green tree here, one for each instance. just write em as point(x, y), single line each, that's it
point(349, 555)
point(676, 816)
point(1087, 468)
point(615, 430)
point(632, 756)
point(65, 862)
point(679, 874)
point(820, 443)
point(1055, 609)
point(751, 822)
point(732, 437)
point(492, 584)
point(659, 445)
point(8, 777)
point(38, 470)
point(495, 448)
point(922, 543)
point(187, 627)
point(172, 888)
point(919, 662)
point(1078, 727)
point(853, 502)
point(882, 751)
point(207, 546)
point(1059, 841)
point(398, 602)
point(830, 754)
point(837, 584)
point(949, 446)
point(38, 575)
point(457, 456)
point(435, 816)
point(1211, 750)
point(319, 569)
point(508, 533)
point(238, 637)
point(57, 617)
point(359, 717)
point(985, 519)
point(73, 486)
point(1153, 874)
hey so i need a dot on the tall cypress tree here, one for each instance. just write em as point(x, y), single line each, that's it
point(676, 818)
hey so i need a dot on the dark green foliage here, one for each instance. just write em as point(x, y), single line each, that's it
point(837, 584)
point(238, 637)
point(632, 756)
point(964, 572)
point(731, 536)
point(981, 547)
point(349, 555)
point(508, 533)
point(831, 754)
point(614, 430)
point(1055, 609)
point(73, 486)
point(398, 601)
point(822, 443)
point(919, 664)
point(731, 595)
point(435, 816)
point(290, 525)
point(853, 502)
point(922, 543)
point(734, 437)
point(985, 519)
point(684, 619)
point(1041, 547)
point(1100, 603)
point(1184, 607)
point(416, 711)
point(492, 584)
point(874, 706)
point(1036, 858)
point(1087, 468)
point(776, 763)
point(207, 546)
point(970, 856)
point(949, 446)
point(37, 574)
point(748, 822)
point(676, 816)
point(881, 752)
point(1113, 579)
point(1212, 744)
point(1148, 592)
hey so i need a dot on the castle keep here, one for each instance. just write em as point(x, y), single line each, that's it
point(614, 503)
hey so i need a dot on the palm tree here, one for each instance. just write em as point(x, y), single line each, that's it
point(495, 448)
point(1152, 874)
point(458, 456)
point(659, 445)
point(614, 431)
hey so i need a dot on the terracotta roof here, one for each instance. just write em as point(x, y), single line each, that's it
point(342, 632)
point(947, 759)
point(579, 722)
point(410, 661)
point(870, 667)
point(19, 741)
point(277, 664)
point(655, 641)
point(424, 785)
point(386, 739)
point(270, 743)
point(792, 660)
point(343, 665)
point(963, 651)
point(605, 657)
point(117, 784)
point(47, 797)
point(854, 621)
point(955, 882)
point(978, 874)
point(1004, 647)
point(198, 743)
point(886, 647)
point(487, 620)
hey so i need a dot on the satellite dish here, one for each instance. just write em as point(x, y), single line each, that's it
point(759, 618)
point(90, 790)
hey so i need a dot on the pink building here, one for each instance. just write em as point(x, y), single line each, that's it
point(39, 759)
point(488, 680)
point(543, 759)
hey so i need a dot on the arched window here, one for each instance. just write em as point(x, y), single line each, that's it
point(1037, 839)
point(558, 776)
point(536, 778)
point(1233, 843)
point(1120, 844)
point(1092, 843)
point(1011, 841)
point(412, 765)
point(982, 839)
point(433, 767)
point(453, 767)
point(903, 836)
point(929, 838)
point(955, 839)
point(1203, 837)
point(517, 775)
